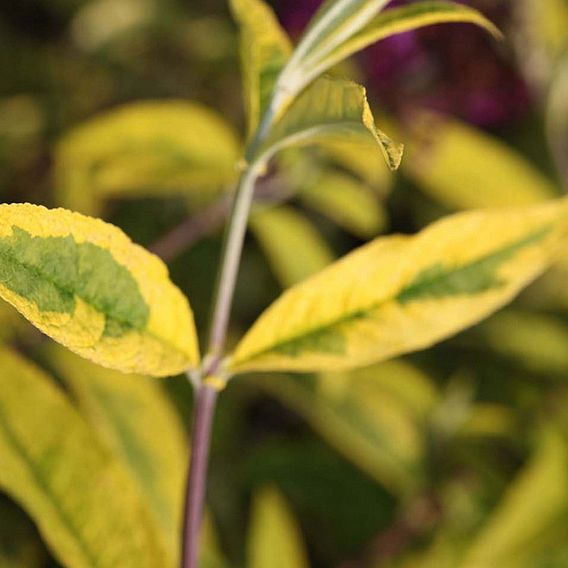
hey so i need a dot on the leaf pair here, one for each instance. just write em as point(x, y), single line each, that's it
point(85, 284)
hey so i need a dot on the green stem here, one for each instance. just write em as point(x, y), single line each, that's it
point(205, 380)
point(227, 278)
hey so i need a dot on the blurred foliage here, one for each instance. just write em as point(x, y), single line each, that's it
point(454, 457)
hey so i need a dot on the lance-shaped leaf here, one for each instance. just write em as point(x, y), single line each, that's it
point(265, 48)
point(145, 149)
point(138, 423)
point(85, 284)
point(375, 417)
point(557, 117)
point(464, 168)
point(347, 202)
point(534, 505)
point(54, 466)
point(401, 293)
point(274, 536)
point(294, 248)
point(329, 106)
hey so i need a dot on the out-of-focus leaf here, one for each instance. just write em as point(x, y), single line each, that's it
point(53, 465)
point(542, 37)
point(463, 167)
point(143, 149)
point(360, 157)
point(375, 417)
point(490, 420)
point(346, 202)
point(329, 106)
point(399, 293)
point(402, 19)
point(101, 21)
point(539, 341)
point(532, 506)
point(274, 537)
point(294, 248)
point(84, 283)
point(265, 48)
point(557, 117)
point(141, 427)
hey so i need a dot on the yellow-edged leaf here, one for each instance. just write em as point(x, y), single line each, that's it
point(53, 465)
point(142, 149)
point(274, 536)
point(462, 167)
point(85, 284)
point(402, 293)
point(530, 509)
point(139, 424)
point(375, 417)
point(294, 248)
point(329, 106)
point(347, 202)
point(265, 48)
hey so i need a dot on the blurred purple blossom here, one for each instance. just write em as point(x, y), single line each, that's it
point(452, 68)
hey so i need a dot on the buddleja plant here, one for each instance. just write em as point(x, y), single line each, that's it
point(85, 284)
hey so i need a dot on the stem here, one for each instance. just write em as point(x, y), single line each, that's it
point(208, 389)
point(230, 264)
point(195, 497)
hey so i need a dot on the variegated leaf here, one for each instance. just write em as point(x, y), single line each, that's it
point(53, 465)
point(400, 293)
point(85, 284)
point(329, 106)
point(265, 48)
point(151, 148)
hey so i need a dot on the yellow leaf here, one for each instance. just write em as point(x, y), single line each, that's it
point(138, 423)
point(85, 284)
point(400, 293)
point(265, 48)
point(557, 116)
point(361, 158)
point(294, 248)
point(53, 465)
point(142, 149)
point(464, 168)
point(375, 417)
point(329, 106)
point(346, 202)
point(530, 509)
point(536, 340)
point(275, 540)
